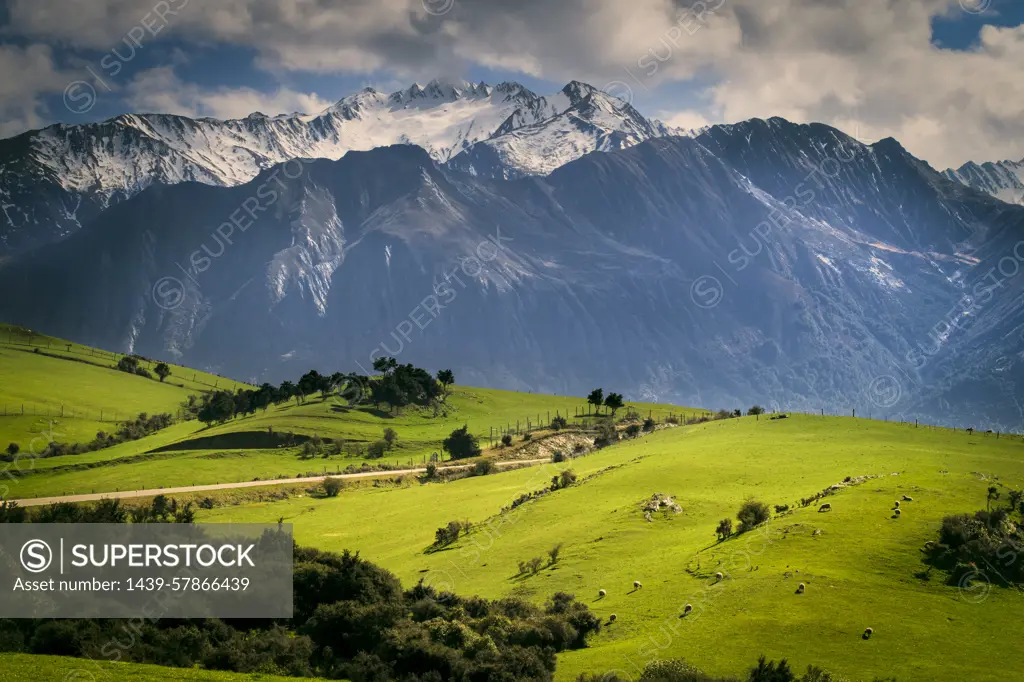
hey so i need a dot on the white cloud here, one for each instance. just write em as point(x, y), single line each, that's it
point(28, 74)
point(160, 90)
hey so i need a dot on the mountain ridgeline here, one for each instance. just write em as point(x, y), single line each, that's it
point(768, 262)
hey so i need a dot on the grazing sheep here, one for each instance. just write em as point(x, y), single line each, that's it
point(687, 609)
point(601, 593)
point(896, 512)
point(611, 618)
point(908, 498)
point(929, 545)
point(801, 588)
point(897, 504)
point(825, 507)
point(637, 585)
point(868, 633)
point(719, 577)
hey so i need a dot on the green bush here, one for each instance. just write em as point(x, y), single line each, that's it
point(559, 422)
point(333, 486)
point(506, 439)
point(376, 449)
point(483, 467)
point(752, 514)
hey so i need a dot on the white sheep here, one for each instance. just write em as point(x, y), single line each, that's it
point(687, 609)
point(637, 585)
point(868, 633)
point(601, 593)
point(897, 504)
point(896, 512)
point(908, 498)
point(611, 618)
point(801, 588)
point(719, 577)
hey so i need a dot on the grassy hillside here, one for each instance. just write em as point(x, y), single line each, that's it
point(19, 668)
point(67, 392)
point(862, 567)
point(191, 454)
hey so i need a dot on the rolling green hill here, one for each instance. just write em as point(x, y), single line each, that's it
point(862, 567)
point(190, 453)
point(51, 389)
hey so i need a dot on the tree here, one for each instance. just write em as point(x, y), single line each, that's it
point(752, 514)
point(217, 407)
point(162, 370)
point(993, 494)
point(724, 529)
point(770, 671)
point(613, 402)
point(595, 398)
point(447, 378)
point(128, 363)
point(285, 392)
point(377, 449)
point(755, 410)
point(385, 365)
point(461, 444)
point(390, 436)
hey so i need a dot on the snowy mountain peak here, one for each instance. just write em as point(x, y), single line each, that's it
point(501, 131)
point(1002, 179)
point(577, 91)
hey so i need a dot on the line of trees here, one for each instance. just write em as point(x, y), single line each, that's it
point(398, 386)
point(613, 401)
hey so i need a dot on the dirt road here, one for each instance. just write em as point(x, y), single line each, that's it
point(124, 494)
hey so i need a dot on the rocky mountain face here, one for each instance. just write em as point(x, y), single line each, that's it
point(1002, 179)
point(765, 262)
point(53, 181)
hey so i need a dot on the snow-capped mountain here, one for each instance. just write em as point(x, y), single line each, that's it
point(1002, 179)
point(52, 181)
point(787, 265)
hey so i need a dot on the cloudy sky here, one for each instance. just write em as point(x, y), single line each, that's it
point(942, 76)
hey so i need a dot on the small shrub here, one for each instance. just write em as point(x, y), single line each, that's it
point(446, 535)
point(376, 449)
point(781, 508)
point(534, 565)
point(559, 423)
point(606, 434)
point(527, 436)
point(483, 467)
point(649, 424)
point(431, 470)
point(206, 503)
point(506, 440)
point(557, 456)
point(563, 480)
point(13, 449)
point(390, 436)
point(752, 514)
point(333, 486)
point(554, 552)
point(755, 410)
point(579, 449)
point(633, 430)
